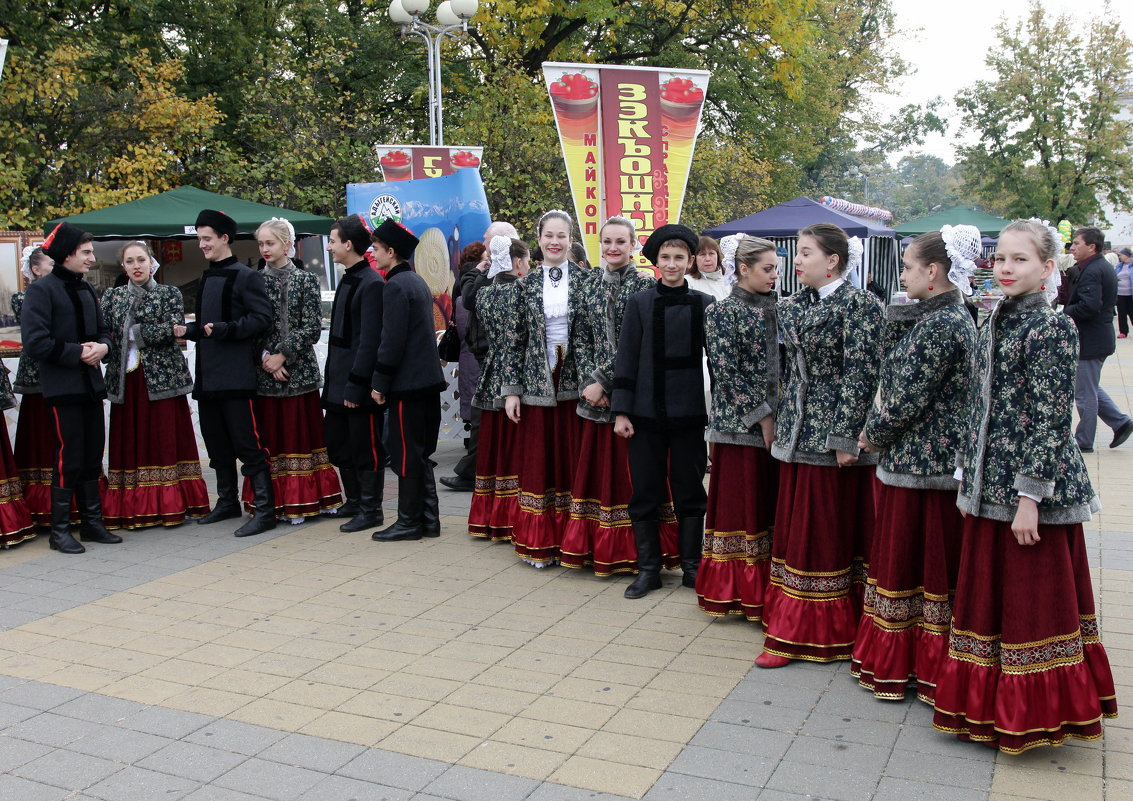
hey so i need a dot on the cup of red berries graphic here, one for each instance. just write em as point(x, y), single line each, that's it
point(396, 166)
point(464, 158)
point(575, 96)
point(681, 101)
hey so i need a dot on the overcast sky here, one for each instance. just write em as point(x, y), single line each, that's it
point(947, 51)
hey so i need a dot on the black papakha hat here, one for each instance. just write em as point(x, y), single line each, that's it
point(395, 235)
point(219, 222)
point(667, 233)
point(63, 241)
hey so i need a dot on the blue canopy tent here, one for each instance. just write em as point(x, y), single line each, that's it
point(781, 225)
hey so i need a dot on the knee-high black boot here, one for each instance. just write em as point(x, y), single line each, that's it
point(61, 539)
point(91, 527)
point(352, 490)
point(410, 508)
point(691, 543)
point(369, 503)
point(226, 506)
point(431, 515)
point(647, 534)
point(263, 517)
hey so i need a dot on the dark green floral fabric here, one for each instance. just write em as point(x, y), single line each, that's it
point(1020, 439)
point(296, 327)
point(833, 358)
point(497, 306)
point(926, 392)
point(7, 397)
point(155, 314)
point(27, 371)
point(741, 337)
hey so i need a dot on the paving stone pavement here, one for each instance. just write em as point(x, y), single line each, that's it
point(308, 665)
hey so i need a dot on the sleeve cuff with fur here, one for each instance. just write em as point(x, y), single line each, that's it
point(753, 417)
point(1034, 486)
point(836, 443)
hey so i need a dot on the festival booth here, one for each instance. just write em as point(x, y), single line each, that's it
point(781, 224)
point(989, 225)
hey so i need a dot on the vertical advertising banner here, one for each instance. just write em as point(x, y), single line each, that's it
point(410, 162)
point(627, 135)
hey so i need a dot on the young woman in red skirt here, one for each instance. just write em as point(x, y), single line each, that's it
point(1025, 664)
point(289, 417)
point(154, 469)
point(824, 512)
point(742, 339)
point(494, 298)
point(926, 391)
point(540, 386)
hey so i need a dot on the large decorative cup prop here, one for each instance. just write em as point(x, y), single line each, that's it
point(627, 135)
point(410, 162)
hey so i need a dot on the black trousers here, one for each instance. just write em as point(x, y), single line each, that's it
point(82, 437)
point(354, 438)
point(677, 456)
point(411, 434)
point(228, 426)
point(466, 467)
point(1124, 312)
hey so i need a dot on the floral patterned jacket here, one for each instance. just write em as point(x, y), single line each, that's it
point(7, 397)
point(601, 324)
point(833, 361)
point(150, 312)
point(741, 335)
point(27, 371)
point(497, 307)
point(525, 370)
point(296, 327)
point(1020, 439)
point(926, 392)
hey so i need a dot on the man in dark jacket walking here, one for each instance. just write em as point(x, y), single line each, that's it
point(408, 377)
point(63, 330)
point(1090, 303)
point(232, 311)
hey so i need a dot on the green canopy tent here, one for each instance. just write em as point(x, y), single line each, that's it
point(172, 215)
point(988, 224)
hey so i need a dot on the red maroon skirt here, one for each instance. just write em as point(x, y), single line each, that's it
point(599, 531)
point(818, 561)
point(495, 500)
point(1025, 665)
point(735, 571)
point(303, 480)
point(35, 449)
point(551, 438)
point(15, 520)
point(154, 469)
point(903, 632)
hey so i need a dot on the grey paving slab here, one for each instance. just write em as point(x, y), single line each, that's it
point(938, 769)
point(896, 789)
point(743, 739)
point(728, 766)
point(54, 730)
point(763, 715)
point(138, 784)
point(213, 793)
point(395, 770)
point(341, 788)
point(166, 722)
point(15, 752)
point(870, 732)
point(315, 753)
point(231, 735)
point(833, 783)
point(779, 795)
point(679, 787)
point(122, 745)
point(42, 604)
point(39, 695)
point(851, 701)
point(270, 779)
point(17, 787)
point(192, 761)
point(924, 739)
point(98, 708)
point(471, 784)
point(548, 791)
point(68, 770)
point(13, 713)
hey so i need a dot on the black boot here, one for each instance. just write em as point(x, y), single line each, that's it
point(410, 509)
point(431, 514)
point(61, 539)
point(351, 490)
point(226, 506)
point(263, 518)
point(92, 529)
point(369, 503)
point(648, 538)
point(690, 540)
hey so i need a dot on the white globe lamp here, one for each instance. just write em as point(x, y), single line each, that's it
point(465, 9)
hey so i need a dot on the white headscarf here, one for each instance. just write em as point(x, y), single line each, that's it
point(963, 244)
point(728, 247)
point(500, 250)
point(25, 261)
point(853, 272)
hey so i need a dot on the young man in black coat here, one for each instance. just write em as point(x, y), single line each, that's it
point(408, 379)
point(233, 309)
point(63, 330)
point(658, 401)
point(353, 422)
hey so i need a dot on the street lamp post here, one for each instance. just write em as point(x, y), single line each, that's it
point(452, 15)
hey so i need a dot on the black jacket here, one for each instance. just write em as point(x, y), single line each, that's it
point(355, 333)
point(60, 313)
point(1091, 304)
point(471, 281)
point(232, 297)
point(658, 372)
point(407, 364)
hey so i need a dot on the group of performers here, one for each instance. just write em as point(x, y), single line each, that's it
point(893, 487)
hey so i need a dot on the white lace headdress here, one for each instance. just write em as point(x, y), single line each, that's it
point(1054, 281)
point(728, 247)
point(853, 272)
point(500, 256)
point(963, 244)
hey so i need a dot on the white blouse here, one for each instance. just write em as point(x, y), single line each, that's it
point(556, 309)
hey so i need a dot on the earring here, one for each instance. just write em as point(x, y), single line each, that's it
point(828, 275)
point(930, 287)
point(1043, 286)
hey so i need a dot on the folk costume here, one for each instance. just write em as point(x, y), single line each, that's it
point(288, 412)
point(541, 367)
point(154, 475)
point(233, 299)
point(59, 314)
point(824, 513)
point(1025, 665)
point(15, 520)
point(659, 385)
point(354, 433)
point(925, 401)
point(741, 337)
point(407, 371)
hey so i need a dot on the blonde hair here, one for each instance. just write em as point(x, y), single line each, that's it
point(1045, 242)
point(279, 228)
point(751, 247)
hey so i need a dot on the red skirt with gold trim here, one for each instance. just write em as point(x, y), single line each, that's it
point(495, 499)
point(34, 452)
point(15, 520)
point(818, 561)
point(550, 439)
point(599, 531)
point(154, 469)
point(735, 571)
point(1025, 665)
point(303, 480)
point(903, 632)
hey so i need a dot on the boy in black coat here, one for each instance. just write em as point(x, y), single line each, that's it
point(659, 403)
point(408, 377)
point(63, 330)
